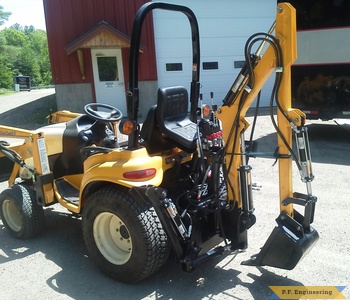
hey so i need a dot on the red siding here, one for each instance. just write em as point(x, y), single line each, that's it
point(66, 20)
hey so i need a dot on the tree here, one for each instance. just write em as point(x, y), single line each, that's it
point(4, 16)
point(6, 74)
point(24, 50)
point(39, 45)
point(27, 64)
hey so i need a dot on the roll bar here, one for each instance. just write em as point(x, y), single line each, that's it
point(132, 99)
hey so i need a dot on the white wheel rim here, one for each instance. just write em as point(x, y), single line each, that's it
point(112, 238)
point(12, 215)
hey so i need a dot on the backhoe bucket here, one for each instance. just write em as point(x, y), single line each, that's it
point(288, 243)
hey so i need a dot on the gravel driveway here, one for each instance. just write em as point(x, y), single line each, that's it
point(55, 265)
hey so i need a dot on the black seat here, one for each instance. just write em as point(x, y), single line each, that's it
point(150, 133)
point(173, 120)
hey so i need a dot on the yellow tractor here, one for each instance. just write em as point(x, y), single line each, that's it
point(182, 181)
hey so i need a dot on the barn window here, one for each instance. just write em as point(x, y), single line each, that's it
point(210, 65)
point(173, 67)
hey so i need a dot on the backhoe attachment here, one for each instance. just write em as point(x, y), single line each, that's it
point(294, 237)
point(291, 239)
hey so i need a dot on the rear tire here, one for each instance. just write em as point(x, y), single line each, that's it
point(21, 214)
point(124, 238)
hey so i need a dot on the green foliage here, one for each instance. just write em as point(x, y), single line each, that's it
point(6, 74)
point(15, 37)
point(3, 15)
point(23, 51)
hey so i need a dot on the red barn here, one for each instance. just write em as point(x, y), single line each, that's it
point(89, 51)
point(89, 48)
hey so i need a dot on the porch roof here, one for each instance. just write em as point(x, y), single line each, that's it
point(103, 35)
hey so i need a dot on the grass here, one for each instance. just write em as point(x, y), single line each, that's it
point(4, 92)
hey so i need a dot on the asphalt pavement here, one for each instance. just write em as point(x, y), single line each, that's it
point(55, 265)
point(27, 110)
point(19, 99)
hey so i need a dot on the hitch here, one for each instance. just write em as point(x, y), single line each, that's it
point(291, 240)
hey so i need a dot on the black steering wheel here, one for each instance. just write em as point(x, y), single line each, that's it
point(110, 114)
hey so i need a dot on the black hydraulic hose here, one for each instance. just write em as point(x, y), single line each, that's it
point(247, 49)
point(255, 117)
point(279, 61)
point(13, 156)
point(274, 95)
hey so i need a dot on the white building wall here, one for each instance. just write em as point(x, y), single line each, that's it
point(224, 27)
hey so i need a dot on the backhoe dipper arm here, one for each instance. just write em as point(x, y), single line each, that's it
point(233, 127)
point(294, 236)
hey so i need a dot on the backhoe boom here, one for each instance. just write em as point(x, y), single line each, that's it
point(278, 58)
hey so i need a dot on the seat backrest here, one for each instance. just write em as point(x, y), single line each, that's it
point(173, 120)
point(150, 133)
point(172, 103)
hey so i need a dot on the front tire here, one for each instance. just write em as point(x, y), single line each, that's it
point(124, 238)
point(21, 214)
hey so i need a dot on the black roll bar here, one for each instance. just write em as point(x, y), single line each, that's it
point(132, 99)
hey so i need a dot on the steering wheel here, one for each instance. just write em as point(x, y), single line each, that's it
point(110, 114)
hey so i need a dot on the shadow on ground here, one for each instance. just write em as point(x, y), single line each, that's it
point(31, 115)
point(63, 245)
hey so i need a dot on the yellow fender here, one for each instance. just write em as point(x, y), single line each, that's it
point(122, 167)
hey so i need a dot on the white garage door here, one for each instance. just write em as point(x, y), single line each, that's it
point(224, 27)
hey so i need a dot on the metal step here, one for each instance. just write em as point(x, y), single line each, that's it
point(68, 192)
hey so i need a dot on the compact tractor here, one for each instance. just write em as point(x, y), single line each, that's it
point(181, 183)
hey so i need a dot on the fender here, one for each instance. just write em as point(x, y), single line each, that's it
point(123, 167)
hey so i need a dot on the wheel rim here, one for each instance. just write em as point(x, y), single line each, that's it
point(12, 215)
point(112, 238)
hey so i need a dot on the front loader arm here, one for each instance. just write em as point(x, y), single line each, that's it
point(290, 241)
point(26, 144)
point(19, 145)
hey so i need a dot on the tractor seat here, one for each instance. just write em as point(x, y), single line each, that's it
point(150, 133)
point(173, 120)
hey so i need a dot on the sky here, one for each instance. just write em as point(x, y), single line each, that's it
point(25, 13)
